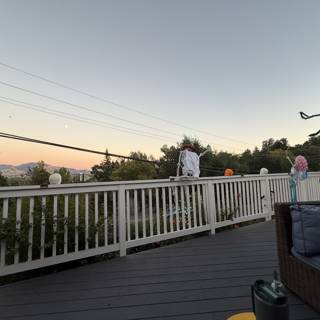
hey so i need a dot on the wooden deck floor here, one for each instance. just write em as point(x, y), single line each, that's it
point(205, 278)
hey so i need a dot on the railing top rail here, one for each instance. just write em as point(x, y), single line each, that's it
point(115, 185)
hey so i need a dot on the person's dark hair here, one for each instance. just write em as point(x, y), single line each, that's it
point(187, 146)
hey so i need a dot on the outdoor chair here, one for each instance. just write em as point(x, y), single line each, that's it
point(299, 272)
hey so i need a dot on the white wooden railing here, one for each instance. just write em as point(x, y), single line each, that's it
point(47, 226)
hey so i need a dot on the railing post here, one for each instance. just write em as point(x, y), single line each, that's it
point(4, 242)
point(211, 207)
point(122, 221)
point(265, 192)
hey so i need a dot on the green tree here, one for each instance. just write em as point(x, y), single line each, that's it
point(135, 170)
point(39, 174)
point(103, 171)
point(3, 181)
point(65, 175)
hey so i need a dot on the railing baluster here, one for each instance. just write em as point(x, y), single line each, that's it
point(280, 190)
point(232, 198)
point(285, 190)
point(105, 216)
point(205, 202)
point(286, 187)
point(76, 223)
point(310, 187)
point(18, 230)
point(170, 210)
point(194, 207)
point(216, 186)
point(227, 193)
point(30, 231)
point(284, 180)
point(213, 215)
point(143, 205)
point(199, 204)
point(136, 226)
point(164, 210)
point(236, 200)
point(150, 212)
point(96, 218)
point(276, 190)
point(4, 242)
point(271, 187)
point(255, 195)
point(55, 221)
point(244, 199)
point(176, 200)
point(314, 188)
point(158, 210)
point(223, 202)
point(260, 209)
point(182, 208)
point(43, 227)
point(86, 221)
point(239, 196)
point(65, 223)
point(252, 210)
point(128, 215)
point(188, 207)
point(115, 224)
point(248, 198)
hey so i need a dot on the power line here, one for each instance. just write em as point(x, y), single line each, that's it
point(21, 138)
point(59, 84)
point(155, 162)
point(70, 116)
point(94, 111)
point(90, 121)
point(85, 108)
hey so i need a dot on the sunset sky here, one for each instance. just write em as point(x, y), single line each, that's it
point(232, 73)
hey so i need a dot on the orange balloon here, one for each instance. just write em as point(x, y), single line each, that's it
point(228, 172)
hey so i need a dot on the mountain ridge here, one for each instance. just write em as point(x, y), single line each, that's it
point(22, 169)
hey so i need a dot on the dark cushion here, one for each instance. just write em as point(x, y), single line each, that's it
point(313, 261)
point(306, 229)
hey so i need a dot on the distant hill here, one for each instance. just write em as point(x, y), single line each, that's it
point(22, 169)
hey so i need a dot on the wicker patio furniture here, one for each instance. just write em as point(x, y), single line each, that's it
point(300, 277)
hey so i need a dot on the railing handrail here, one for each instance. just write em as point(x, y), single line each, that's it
point(116, 184)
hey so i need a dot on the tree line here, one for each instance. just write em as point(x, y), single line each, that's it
point(271, 155)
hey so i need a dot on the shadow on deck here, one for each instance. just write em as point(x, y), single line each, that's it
point(200, 279)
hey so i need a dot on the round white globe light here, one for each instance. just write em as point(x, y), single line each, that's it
point(55, 178)
point(264, 171)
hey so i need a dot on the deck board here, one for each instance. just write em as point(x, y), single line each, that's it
point(204, 278)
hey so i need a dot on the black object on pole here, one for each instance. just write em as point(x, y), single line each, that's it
point(307, 117)
point(269, 300)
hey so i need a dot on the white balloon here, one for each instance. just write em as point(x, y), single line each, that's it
point(55, 178)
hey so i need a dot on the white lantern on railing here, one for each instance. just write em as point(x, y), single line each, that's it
point(264, 171)
point(55, 178)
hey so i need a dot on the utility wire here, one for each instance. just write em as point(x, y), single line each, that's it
point(94, 111)
point(21, 138)
point(59, 84)
point(155, 162)
point(71, 116)
point(77, 106)
point(85, 108)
